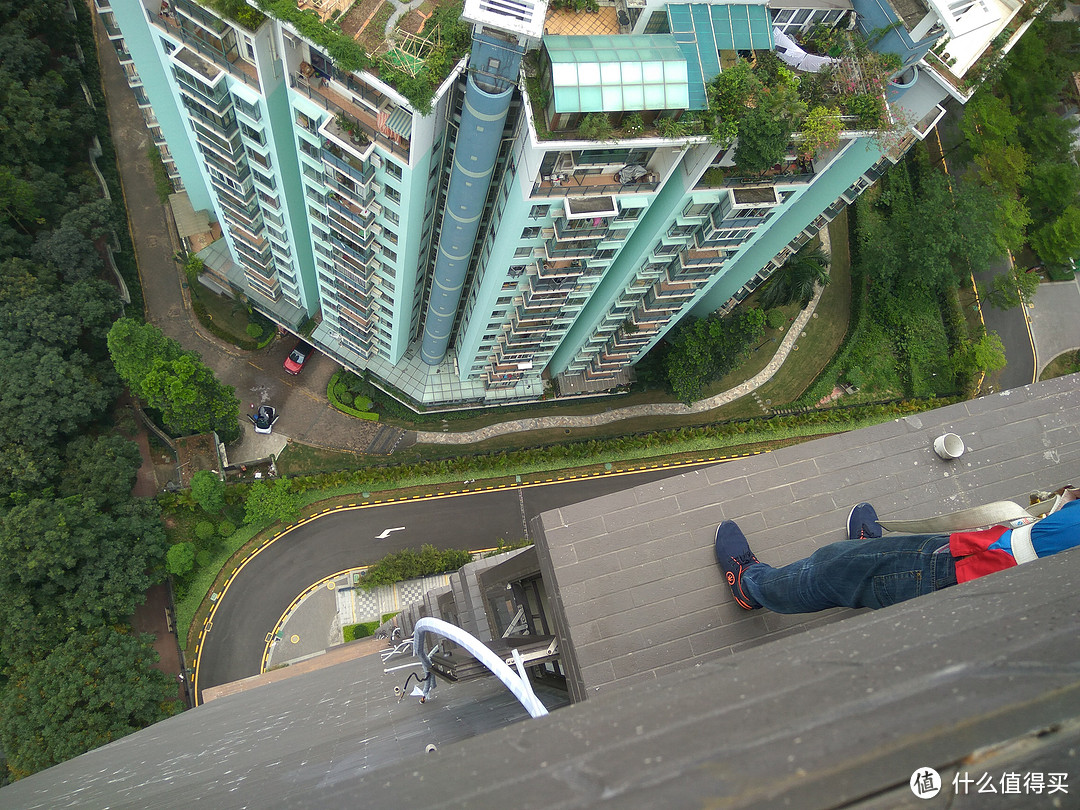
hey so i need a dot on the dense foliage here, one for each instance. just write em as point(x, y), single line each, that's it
point(173, 381)
point(798, 279)
point(410, 564)
point(91, 689)
point(1021, 149)
point(773, 112)
point(700, 350)
point(77, 552)
point(916, 238)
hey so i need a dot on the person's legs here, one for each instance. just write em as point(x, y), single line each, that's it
point(854, 573)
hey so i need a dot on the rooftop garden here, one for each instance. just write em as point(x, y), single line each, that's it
point(413, 65)
point(773, 110)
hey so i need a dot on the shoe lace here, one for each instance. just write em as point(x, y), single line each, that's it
point(745, 559)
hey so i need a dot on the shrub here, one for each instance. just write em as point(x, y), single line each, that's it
point(411, 564)
point(254, 331)
point(351, 632)
point(226, 528)
point(204, 530)
point(208, 491)
point(180, 559)
point(340, 393)
point(775, 318)
point(595, 127)
point(634, 124)
point(204, 558)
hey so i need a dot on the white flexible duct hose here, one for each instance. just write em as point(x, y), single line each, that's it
point(518, 684)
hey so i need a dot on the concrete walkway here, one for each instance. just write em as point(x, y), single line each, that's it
point(1055, 320)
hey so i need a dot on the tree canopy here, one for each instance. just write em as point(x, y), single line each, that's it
point(91, 689)
point(1021, 149)
point(797, 280)
point(69, 567)
point(702, 349)
point(174, 381)
point(77, 552)
point(271, 502)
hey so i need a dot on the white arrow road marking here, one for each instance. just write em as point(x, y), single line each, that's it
point(386, 532)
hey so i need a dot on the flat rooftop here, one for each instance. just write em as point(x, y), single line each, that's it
point(634, 586)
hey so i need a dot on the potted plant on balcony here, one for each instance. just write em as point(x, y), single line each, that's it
point(353, 128)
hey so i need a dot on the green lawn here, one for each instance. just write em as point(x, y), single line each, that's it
point(1067, 363)
point(227, 314)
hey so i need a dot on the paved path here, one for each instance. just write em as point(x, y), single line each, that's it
point(268, 583)
point(1015, 332)
point(787, 345)
point(1055, 320)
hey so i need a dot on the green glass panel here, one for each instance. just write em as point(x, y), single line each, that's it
point(591, 99)
point(654, 97)
point(634, 98)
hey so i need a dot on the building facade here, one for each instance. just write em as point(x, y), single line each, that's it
point(557, 207)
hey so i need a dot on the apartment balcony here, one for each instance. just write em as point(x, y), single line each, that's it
point(790, 172)
point(231, 62)
point(576, 229)
point(579, 184)
point(319, 90)
point(555, 269)
point(352, 209)
point(584, 249)
point(363, 257)
point(700, 258)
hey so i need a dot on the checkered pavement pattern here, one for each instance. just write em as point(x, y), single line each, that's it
point(373, 605)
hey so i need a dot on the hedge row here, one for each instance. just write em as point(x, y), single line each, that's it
point(410, 564)
point(337, 391)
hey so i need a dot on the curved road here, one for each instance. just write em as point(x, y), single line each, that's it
point(268, 582)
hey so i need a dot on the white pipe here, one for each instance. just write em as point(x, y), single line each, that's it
point(518, 685)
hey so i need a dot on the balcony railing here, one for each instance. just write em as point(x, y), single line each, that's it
point(330, 101)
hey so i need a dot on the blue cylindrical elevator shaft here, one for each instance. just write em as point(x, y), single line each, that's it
point(489, 89)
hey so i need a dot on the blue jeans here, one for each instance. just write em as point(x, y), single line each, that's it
point(855, 573)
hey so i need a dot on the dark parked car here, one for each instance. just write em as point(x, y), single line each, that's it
point(264, 419)
point(294, 363)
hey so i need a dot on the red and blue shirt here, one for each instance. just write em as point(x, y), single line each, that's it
point(988, 550)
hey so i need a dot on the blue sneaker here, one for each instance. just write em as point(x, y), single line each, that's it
point(862, 523)
point(733, 554)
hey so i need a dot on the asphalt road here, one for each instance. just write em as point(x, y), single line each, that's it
point(266, 586)
point(1011, 326)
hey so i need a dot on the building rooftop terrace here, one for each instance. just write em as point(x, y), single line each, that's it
point(633, 579)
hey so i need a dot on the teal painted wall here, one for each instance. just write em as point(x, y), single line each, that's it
point(144, 44)
point(411, 248)
point(280, 131)
point(827, 186)
point(515, 217)
point(651, 226)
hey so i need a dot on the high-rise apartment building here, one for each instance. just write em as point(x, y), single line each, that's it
point(563, 199)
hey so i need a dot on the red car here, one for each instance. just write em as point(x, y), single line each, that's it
point(294, 363)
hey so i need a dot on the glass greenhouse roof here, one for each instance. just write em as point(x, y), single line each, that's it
point(702, 31)
point(615, 73)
